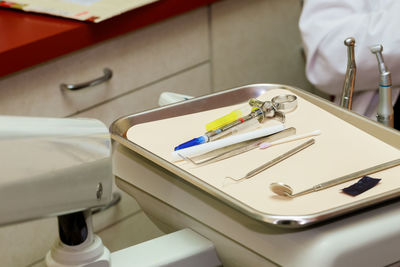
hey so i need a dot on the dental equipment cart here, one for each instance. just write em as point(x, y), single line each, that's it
point(247, 223)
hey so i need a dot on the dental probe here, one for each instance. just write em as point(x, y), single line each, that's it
point(385, 109)
point(350, 78)
point(284, 190)
point(275, 160)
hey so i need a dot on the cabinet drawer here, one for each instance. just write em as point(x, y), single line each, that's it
point(193, 82)
point(138, 58)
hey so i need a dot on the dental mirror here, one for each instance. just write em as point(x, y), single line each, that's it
point(281, 189)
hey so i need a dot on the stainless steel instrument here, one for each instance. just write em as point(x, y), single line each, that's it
point(244, 147)
point(236, 96)
point(275, 160)
point(282, 189)
point(350, 78)
point(276, 108)
point(385, 108)
point(260, 112)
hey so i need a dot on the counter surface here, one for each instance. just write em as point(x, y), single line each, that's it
point(29, 39)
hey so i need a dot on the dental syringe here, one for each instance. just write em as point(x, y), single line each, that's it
point(260, 111)
point(249, 121)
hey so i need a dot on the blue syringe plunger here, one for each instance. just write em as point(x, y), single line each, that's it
point(193, 142)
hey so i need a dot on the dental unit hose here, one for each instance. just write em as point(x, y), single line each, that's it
point(385, 113)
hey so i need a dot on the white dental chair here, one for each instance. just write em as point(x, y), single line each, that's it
point(63, 168)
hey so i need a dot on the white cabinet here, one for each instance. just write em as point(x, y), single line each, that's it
point(192, 82)
point(138, 59)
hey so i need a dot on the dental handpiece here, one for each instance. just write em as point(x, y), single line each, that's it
point(350, 78)
point(385, 113)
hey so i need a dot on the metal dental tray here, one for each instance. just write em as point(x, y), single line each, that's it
point(238, 95)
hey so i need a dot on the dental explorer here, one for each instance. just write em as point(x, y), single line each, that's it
point(385, 109)
point(350, 78)
point(275, 160)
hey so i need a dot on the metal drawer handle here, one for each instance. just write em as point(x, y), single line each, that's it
point(73, 87)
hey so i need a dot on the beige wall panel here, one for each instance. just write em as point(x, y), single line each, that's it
point(256, 41)
point(24, 243)
point(29, 242)
point(123, 209)
point(39, 264)
point(127, 233)
point(21, 244)
point(134, 230)
point(137, 59)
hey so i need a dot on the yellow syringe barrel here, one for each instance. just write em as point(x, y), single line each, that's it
point(218, 123)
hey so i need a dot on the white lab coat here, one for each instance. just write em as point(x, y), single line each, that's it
point(325, 24)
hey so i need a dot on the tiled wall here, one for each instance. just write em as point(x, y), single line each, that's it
point(228, 44)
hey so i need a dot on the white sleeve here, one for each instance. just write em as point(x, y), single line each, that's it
point(325, 25)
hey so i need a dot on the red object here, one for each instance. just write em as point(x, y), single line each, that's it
point(27, 39)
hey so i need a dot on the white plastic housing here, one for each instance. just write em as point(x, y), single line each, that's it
point(52, 166)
